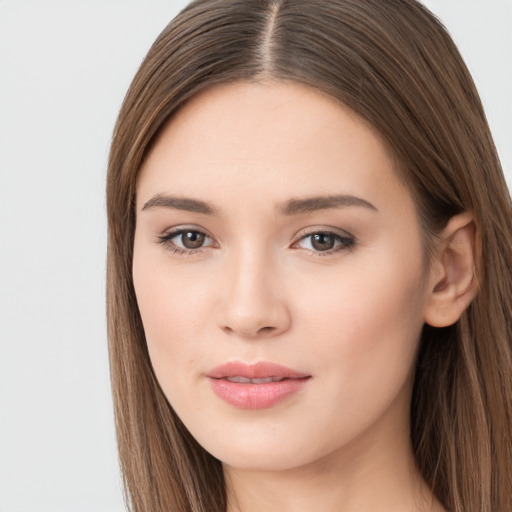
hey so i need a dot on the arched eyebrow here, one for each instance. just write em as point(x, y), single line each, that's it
point(180, 203)
point(290, 207)
point(312, 204)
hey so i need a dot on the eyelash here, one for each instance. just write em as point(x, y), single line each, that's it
point(166, 241)
point(346, 243)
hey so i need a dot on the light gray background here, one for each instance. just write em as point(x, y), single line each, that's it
point(64, 68)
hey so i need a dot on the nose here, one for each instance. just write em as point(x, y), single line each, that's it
point(253, 301)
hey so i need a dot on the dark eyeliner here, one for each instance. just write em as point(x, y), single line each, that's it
point(347, 243)
point(166, 241)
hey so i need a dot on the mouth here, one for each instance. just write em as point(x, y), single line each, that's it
point(245, 380)
point(255, 386)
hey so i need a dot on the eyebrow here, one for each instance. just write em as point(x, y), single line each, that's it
point(180, 203)
point(290, 207)
point(311, 204)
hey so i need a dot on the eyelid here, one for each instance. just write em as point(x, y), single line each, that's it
point(323, 229)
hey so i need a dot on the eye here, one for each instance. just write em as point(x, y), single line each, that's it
point(325, 242)
point(186, 240)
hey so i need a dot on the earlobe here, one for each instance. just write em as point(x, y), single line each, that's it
point(452, 281)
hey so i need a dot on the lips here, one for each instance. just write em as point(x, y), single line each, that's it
point(255, 386)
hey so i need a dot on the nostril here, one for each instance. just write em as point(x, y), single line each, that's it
point(266, 330)
point(247, 333)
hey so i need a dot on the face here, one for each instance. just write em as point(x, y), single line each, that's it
point(277, 267)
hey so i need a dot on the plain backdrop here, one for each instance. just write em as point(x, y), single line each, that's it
point(64, 68)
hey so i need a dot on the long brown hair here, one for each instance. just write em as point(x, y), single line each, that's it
point(394, 64)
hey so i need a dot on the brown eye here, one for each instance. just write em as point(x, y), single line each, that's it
point(186, 241)
point(322, 241)
point(326, 242)
point(192, 239)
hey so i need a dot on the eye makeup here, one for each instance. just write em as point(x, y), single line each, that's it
point(191, 241)
point(322, 242)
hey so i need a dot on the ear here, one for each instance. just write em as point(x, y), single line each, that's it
point(452, 279)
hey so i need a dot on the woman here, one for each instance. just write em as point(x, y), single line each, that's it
point(309, 268)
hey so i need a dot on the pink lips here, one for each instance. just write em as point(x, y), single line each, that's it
point(255, 386)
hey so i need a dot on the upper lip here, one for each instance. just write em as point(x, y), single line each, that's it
point(260, 370)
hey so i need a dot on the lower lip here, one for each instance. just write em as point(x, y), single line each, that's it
point(256, 396)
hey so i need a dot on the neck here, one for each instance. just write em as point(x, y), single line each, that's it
point(397, 489)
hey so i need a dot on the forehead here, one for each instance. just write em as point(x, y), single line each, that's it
point(268, 140)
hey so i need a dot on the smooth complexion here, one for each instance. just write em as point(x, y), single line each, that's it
point(272, 228)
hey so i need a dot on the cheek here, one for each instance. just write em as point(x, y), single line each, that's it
point(366, 322)
point(173, 308)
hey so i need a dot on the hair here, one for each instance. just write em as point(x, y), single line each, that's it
point(394, 64)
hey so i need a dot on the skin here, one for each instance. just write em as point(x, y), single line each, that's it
point(259, 290)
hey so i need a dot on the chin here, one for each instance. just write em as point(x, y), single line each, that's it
point(251, 460)
point(266, 450)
